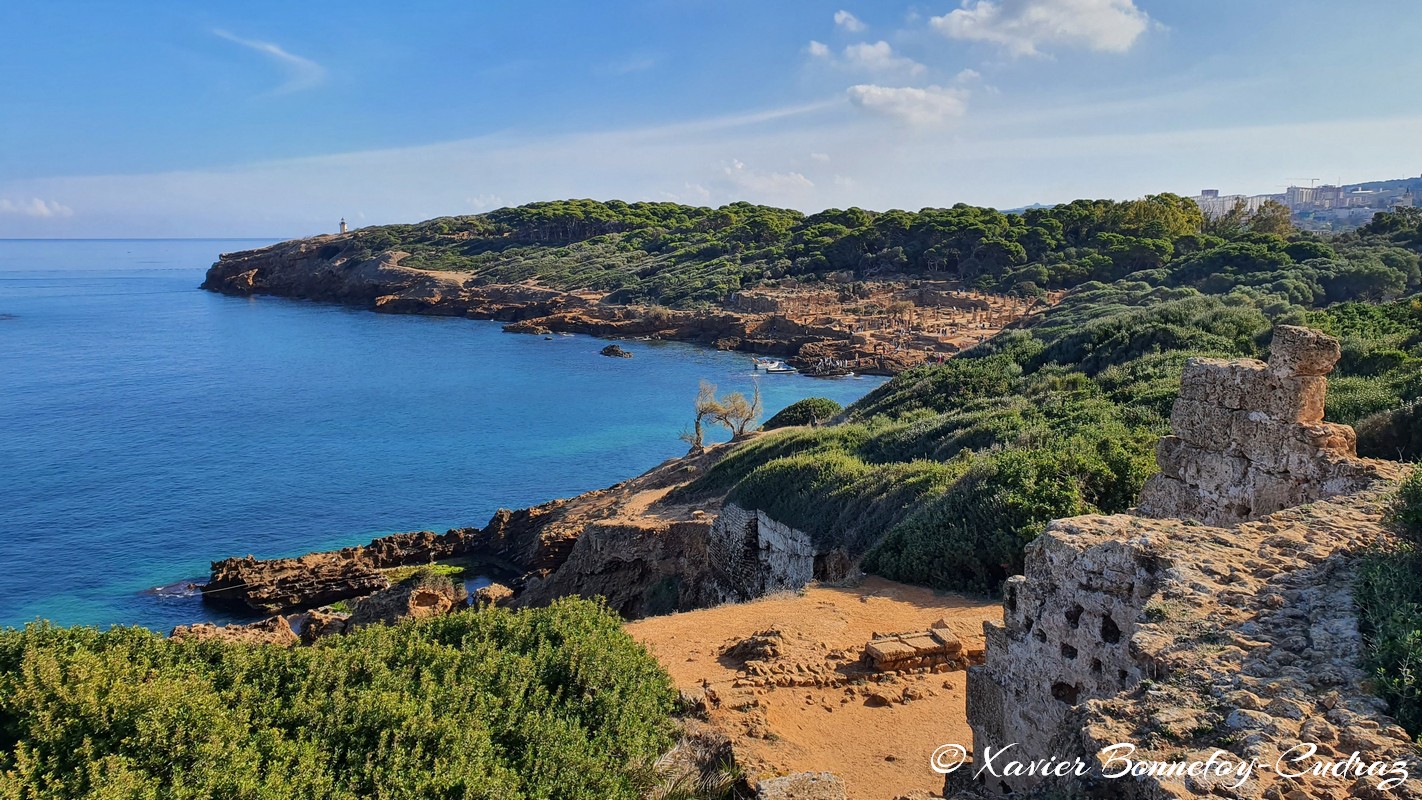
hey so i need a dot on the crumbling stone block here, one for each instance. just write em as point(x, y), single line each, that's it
point(1249, 437)
point(1301, 351)
point(905, 651)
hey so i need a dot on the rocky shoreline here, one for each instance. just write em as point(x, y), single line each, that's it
point(334, 269)
point(523, 550)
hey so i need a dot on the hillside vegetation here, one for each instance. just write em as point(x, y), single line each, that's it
point(684, 256)
point(942, 475)
point(550, 703)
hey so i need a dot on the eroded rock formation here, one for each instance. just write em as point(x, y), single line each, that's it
point(288, 584)
point(274, 631)
point(1249, 437)
point(649, 566)
point(411, 599)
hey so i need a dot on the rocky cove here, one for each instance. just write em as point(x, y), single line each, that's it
point(1216, 618)
point(810, 328)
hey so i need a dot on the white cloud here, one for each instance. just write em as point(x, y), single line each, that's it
point(767, 183)
point(485, 202)
point(823, 157)
point(35, 207)
point(301, 73)
point(930, 106)
point(818, 49)
point(1024, 27)
point(691, 194)
point(967, 76)
point(848, 21)
point(879, 57)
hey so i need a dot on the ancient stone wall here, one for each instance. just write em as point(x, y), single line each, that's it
point(1065, 637)
point(1183, 639)
point(1249, 437)
point(757, 555)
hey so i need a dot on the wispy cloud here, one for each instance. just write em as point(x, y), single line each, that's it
point(35, 207)
point(639, 62)
point(772, 184)
point(301, 73)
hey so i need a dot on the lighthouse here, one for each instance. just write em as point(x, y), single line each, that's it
point(343, 225)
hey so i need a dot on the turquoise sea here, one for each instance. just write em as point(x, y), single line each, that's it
point(148, 427)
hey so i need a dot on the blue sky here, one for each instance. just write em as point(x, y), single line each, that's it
point(276, 119)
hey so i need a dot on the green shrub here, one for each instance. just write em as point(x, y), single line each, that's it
point(810, 411)
point(1389, 597)
point(1395, 434)
point(550, 703)
point(1351, 398)
point(1406, 510)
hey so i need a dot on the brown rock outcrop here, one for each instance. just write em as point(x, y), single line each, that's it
point(287, 584)
point(413, 599)
point(321, 623)
point(511, 542)
point(274, 631)
point(1249, 437)
point(495, 594)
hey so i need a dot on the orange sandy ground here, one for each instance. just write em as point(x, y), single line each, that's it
point(881, 751)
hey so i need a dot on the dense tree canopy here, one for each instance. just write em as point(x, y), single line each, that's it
point(684, 255)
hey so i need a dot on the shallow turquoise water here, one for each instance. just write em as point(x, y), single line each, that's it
point(148, 427)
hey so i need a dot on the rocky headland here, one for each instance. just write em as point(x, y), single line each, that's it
point(809, 328)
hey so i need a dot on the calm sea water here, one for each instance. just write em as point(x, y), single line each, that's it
point(148, 428)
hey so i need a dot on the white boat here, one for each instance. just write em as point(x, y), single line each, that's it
point(779, 366)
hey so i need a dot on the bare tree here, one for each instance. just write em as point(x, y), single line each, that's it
point(733, 411)
point(738, 414)
point(707, 407)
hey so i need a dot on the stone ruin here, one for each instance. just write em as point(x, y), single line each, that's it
point(901, 652)
point(1249, 437)
point(1239, 635)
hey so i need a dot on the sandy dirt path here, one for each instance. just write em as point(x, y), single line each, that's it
point(875, 734)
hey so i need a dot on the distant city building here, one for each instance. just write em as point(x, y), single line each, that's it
point(1213, 204)
point(1328, 206)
